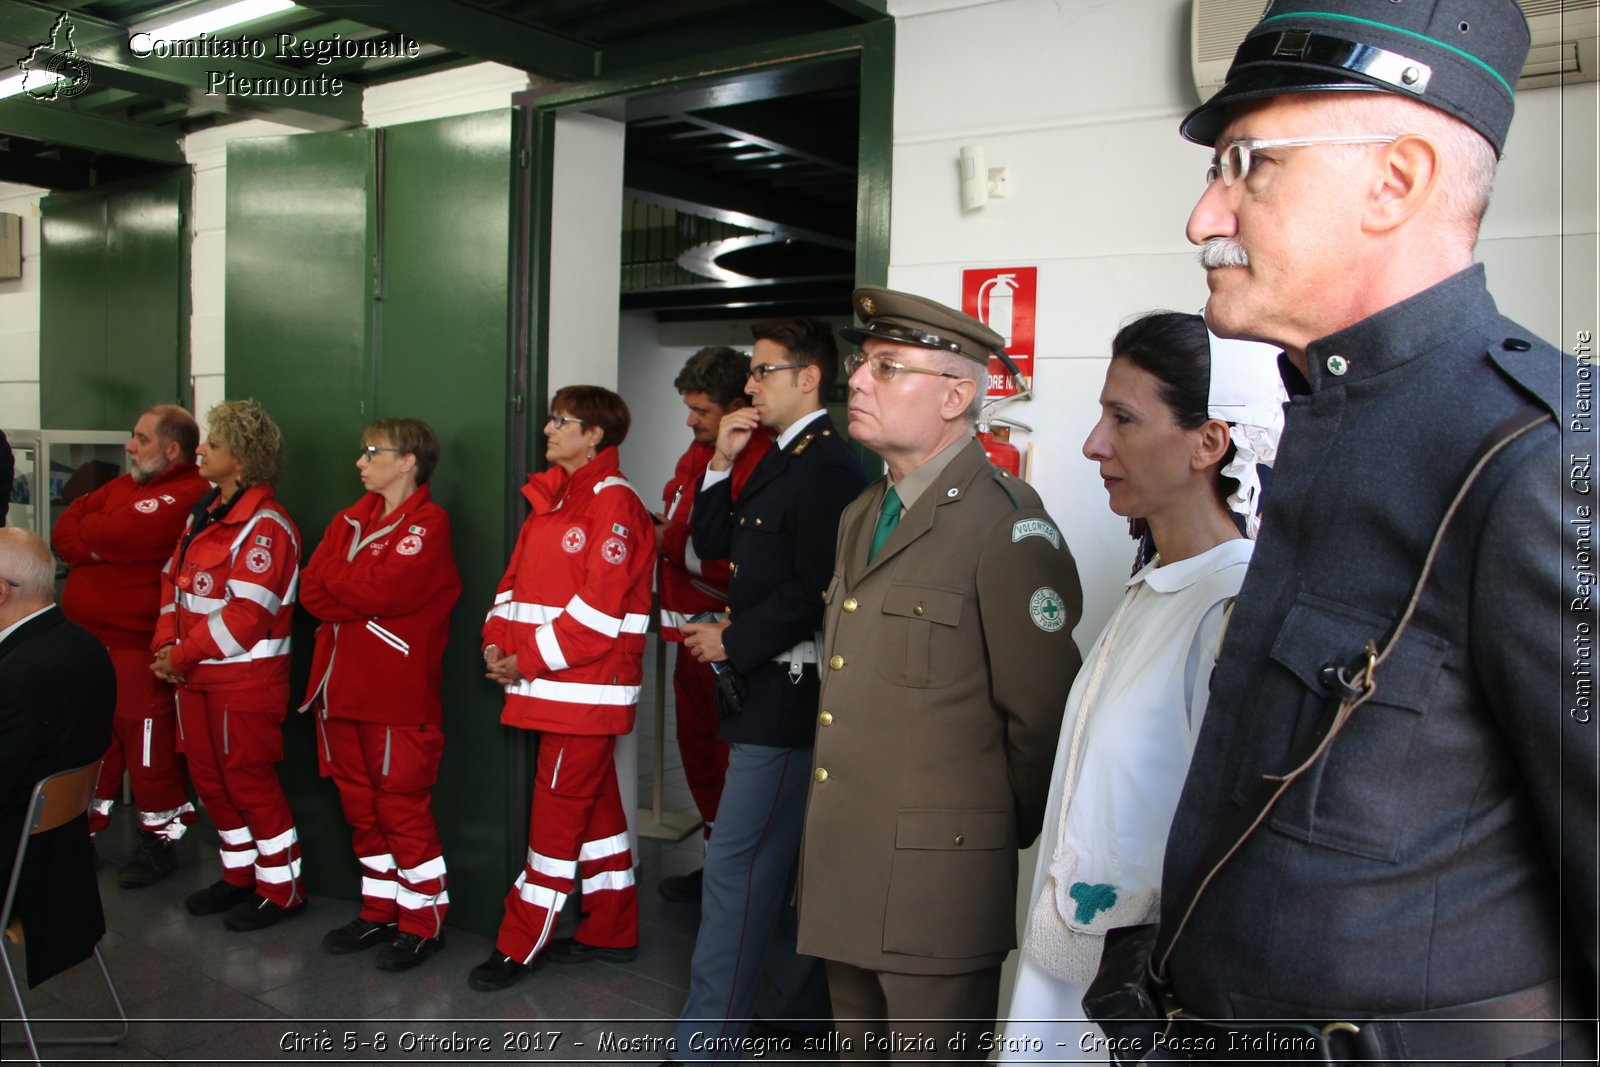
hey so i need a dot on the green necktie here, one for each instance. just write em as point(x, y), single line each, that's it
point(888, 519)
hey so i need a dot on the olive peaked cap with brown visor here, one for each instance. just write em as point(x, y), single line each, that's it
point(1460, 56)
point(907, 319)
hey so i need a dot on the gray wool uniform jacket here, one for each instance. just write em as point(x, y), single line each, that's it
point(1443, 852)
point(947, 664)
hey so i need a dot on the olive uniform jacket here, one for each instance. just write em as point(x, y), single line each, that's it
point(949, 657)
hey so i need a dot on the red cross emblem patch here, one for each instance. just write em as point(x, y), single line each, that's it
point(258, 560)
point(615, 550)
point(574, 539)
point(203, 583)
point(147, 505)
point(409, 545)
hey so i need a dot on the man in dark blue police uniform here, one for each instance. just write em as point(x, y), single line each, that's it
point(1428, 890)
point(779, 538)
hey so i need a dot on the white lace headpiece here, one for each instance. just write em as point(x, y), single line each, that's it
point(1247, 393)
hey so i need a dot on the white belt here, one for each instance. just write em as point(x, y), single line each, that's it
point(808, 651)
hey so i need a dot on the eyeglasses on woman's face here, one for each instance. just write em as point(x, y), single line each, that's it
point(558, 421)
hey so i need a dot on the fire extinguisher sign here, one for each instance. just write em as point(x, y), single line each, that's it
point(1004, 298)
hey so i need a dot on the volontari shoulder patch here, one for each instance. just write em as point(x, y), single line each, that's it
point(1035, 528)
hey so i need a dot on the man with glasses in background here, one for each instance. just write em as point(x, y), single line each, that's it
point(1426, 890)
point(949, 656)
point(778, 536)
point(116, 540)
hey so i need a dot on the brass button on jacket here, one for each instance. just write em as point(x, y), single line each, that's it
point(850, 603)
point(837, 662)
point(826, 718)
point(820, 774)
point(960, 839)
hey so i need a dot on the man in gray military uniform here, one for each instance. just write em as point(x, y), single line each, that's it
point(1437, 864)
point(948, 658)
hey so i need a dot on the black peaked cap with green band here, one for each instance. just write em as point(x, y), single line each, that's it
point(1460, 56)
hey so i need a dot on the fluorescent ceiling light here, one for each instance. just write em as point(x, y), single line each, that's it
point(196, 19)
point(37, 80)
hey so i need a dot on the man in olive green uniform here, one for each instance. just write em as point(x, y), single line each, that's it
point(949, 654)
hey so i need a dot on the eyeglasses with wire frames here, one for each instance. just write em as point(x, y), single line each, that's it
point(884, 369)
point(558, 421)
point(370, 452)
point(759, 371)
point(1232, 161)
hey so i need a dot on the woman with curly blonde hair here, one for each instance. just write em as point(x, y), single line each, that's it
point(223, 639)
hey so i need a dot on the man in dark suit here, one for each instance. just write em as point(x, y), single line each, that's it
point(779, 537)
point(57, 692)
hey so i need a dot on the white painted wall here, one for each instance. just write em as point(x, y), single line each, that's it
point(19, 316)
point(585, 250)
point(1080, 100)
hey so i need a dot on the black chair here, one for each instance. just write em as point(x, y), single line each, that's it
point(56, 801)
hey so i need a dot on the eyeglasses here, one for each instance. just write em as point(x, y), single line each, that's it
point(884, 369)
point(759, 371)
point(558, 421)
point(1232, 161)
point(370, 452)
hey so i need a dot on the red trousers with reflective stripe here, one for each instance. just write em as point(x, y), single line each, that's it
point(234, 741)
point(385, 776)
point(705, 758)
point(577, 838)
point(144, 743)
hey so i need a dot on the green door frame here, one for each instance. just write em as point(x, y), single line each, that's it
point(871, 42)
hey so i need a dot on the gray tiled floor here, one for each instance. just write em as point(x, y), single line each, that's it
point(200, 994)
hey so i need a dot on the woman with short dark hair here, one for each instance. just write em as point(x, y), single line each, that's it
point(565, 638)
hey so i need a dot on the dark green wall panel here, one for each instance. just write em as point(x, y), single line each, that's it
point(442, 357)
point(301, 240)
point(114, 303)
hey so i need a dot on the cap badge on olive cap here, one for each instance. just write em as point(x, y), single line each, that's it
point(1460, 56)
point(907, 319)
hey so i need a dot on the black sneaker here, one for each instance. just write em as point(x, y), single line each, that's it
point(571, 950)
point(682, 888)
point(357, 934)
point(497, 972)
point(217, 897)
point(258, 913)
point(406, 951)
point(153, 860)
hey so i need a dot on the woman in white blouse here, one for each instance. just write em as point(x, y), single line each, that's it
point(1184, 420)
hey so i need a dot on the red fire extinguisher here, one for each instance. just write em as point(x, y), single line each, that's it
point(998, 449)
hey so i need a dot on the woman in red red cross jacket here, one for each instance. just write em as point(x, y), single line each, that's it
point(382, 582)
point(566, 639)
point(227, 597)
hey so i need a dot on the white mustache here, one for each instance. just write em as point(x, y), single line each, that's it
point(1223, 252)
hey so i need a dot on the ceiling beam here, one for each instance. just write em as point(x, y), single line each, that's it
point(474, 31)
point(865, 10)
point(53, 124)
point(189, 80)
point(793, 138)
point(709, 296)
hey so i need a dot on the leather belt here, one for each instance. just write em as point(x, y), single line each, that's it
point(1500, 1028)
